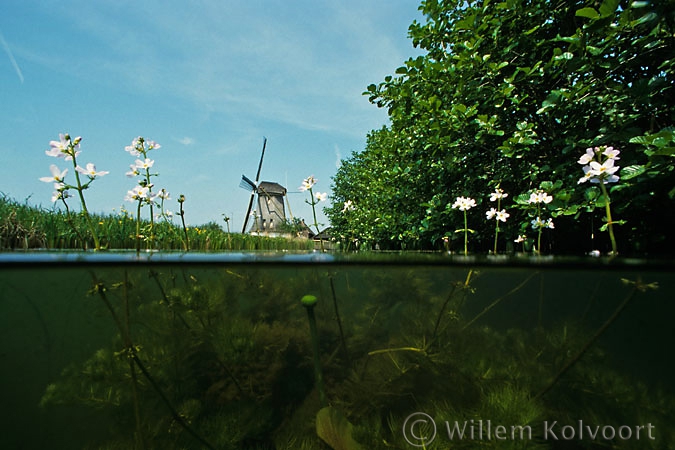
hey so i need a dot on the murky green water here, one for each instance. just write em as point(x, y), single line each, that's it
point(215, 351)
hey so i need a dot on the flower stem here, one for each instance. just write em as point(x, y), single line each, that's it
point(138, 227)
point(316, 223)
point(494, 250)
point(186, 243)
point(610, 225)
point(85, 211)
point(466, 235)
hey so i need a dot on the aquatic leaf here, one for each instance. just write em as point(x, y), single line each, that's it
point(335, 430)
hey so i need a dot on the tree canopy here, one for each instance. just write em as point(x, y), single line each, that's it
point(509, 94)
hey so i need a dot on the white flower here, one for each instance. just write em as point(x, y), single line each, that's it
point(538, 223)
point(148, 163)
point(499, 215)
point(164, 194)
point(307, 183)
point(587, 157)
point(598, 170)
point(503, 215)
point(540, 197)
point(137, 193)
point(604, 172)
point(464, 203)
point(348, 206)
point(133, 148)
point(611, 153)
point(90, 171)
point(60, 194)
point(321, 197)
point(57, 175)
point(588, 174)
point(520, 238)
point(133, 172)
point(498, 194)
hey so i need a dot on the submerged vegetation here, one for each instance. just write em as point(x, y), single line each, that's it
point(271, 357)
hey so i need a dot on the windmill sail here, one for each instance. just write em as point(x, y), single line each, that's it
point(246, 183)
point(252, 186)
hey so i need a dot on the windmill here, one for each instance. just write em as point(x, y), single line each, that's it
point(270, 212)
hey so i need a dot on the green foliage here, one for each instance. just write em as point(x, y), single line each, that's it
point(23, 226)
point(509, 94)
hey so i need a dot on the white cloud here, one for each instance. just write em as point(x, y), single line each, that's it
point(186, 140)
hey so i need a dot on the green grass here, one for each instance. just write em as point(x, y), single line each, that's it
point(23, 226)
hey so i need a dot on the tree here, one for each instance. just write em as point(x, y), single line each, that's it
point(510, 94)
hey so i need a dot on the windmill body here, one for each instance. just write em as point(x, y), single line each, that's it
point(270, 212)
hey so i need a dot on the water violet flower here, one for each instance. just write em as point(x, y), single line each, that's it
point(308, 183)
point(599, 168)
point(90, 171)
point(146, 164)
point(498, 194)
point(57, 175)
point(69, 149)
point(464, 204)
point(502, 215)
point(540, 197)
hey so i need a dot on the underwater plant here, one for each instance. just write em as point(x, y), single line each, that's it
point(225, 352)
point(309, 301)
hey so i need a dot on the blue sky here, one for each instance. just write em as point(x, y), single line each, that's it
point(206, 79)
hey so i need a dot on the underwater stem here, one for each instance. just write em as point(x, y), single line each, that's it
point(100, 289)
point(309, 301)
point(464, 287)
point(440, 313)
point(397, 349)
point(338, 319)
point(140, 441)
point(138, 227)
point(593, 338)
point(466, 236)
point(493, 304)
